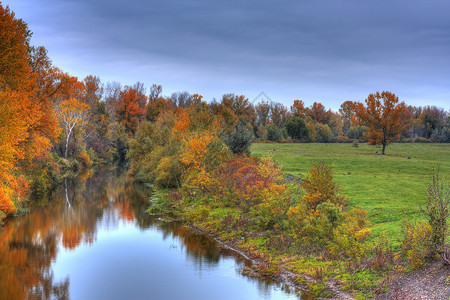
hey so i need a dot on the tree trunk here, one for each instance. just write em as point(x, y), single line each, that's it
point(67, 145)
point(384, 147)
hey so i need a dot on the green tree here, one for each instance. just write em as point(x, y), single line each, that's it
point(273, 133)
point(297, 129)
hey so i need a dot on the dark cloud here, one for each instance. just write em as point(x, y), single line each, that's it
point(313, 49)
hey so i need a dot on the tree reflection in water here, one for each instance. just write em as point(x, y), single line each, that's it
point(70, 218)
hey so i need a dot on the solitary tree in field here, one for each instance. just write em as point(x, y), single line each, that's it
point(70, 114)
point(385, 118)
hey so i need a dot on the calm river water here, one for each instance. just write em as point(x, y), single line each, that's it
point(93, 240)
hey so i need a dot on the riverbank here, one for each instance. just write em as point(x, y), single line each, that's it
point(261, 267)
point(429, 282)
point(276, 255)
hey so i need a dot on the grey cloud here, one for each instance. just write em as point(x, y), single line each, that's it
point(335, 47)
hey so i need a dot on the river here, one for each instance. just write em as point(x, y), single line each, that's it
point(93, 240)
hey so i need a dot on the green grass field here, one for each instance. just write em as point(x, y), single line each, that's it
point(390, 187)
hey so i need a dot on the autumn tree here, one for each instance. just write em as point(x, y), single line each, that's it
point(240, 105)
point(278, 114)
point(69, 87)
point(14, 45)
point(27, 125)
point(225, 113)
point(298, 109)
point(70, 114)
point(157, 104)
point(13, 129)
point(384, 116)
point(129, 108)
point(318, 113)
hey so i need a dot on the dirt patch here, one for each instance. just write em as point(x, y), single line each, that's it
point(430, 282)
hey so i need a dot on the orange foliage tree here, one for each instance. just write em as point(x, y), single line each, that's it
point(240, 106)
point(298, 109)
point(27, 125)
point(385, 117)
point(14, 44)
point(129, 109)
point(318, 113)
point(13, 129)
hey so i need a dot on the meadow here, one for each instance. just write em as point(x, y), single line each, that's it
point(390, 187)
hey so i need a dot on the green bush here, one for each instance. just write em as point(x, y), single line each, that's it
point(297, 129)
point(274, 133)
point(321, 220)
point(240, 139)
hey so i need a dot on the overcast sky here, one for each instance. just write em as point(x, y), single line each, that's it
point(315, 50)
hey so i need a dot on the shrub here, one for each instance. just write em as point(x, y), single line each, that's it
point(343, 139)
point(417, 242)
point(240, 139)
point(169, 172)
point(274, 133)
point(320, 219)
point(320, 187)
point(251, 185)
point(437, 211)
point(319, 133)
point(84, 159)
point(406, 140)
point(323, 133)
point(423, 140)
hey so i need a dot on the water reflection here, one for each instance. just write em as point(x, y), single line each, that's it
point(93, 240)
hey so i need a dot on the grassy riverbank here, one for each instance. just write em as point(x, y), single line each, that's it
point(390, 187)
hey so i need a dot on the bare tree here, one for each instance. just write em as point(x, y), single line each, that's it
point(70, 114)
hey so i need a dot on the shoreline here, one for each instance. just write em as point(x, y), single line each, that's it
point(284, 276)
